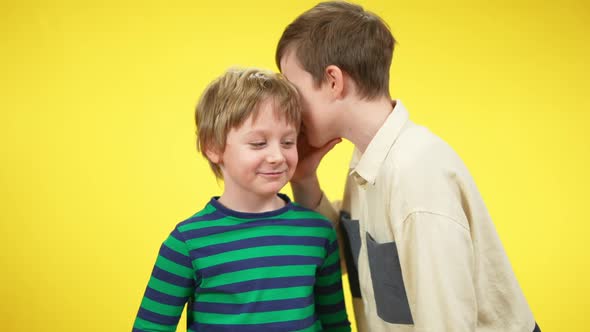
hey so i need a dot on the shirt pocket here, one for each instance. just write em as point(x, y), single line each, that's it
point(388, 285)
point(351, 247)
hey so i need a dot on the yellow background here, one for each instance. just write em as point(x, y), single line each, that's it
point(97, 137)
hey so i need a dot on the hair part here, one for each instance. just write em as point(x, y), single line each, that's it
point(345, 35)
point(229, 100)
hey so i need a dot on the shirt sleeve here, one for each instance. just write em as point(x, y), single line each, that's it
point(437, 263)
point(329, 297)
point(169, 287)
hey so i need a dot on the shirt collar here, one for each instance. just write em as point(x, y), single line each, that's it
point(365, 167)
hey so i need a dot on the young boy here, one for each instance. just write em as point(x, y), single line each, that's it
point(421, 250)
point(250, 260)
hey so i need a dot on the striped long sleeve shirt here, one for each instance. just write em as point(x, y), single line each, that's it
point(271, 271)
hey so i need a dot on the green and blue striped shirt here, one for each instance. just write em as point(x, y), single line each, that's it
point(271, 271)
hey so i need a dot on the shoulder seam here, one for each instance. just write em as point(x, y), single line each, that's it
point(455, 221)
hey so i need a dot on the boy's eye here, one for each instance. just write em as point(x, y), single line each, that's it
point(288, 143)
point(257, 144)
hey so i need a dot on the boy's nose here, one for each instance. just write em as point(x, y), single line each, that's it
point(275, 155)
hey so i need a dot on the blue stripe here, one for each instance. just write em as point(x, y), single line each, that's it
point(331, 309)
point(203, 232)
point(257, 242)
point(172, 278)
point(326, 290)
point(214, 215)
point(176, 234)
point(329, 269)
point(259, 262)
point(258, 284)
point(292, 325)
point(253, 307)
point(176, 257)
point(297, 207)
point(214, 202)
point(332, 247)
point(163, 298)
point(157, 318)
point(334, 325)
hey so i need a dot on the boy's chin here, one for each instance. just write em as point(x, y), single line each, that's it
point(271, 189)
point(318, 142)
point(316, 138)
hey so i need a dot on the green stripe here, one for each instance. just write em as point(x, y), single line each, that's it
point(333, 318)
point(160, 308)
point(223, 222)
point(232, 221)
point(332, 237)
point(241, 234)
point(332, 259)
point(333, 298)
point(317, 326)
point(174, 268)
point(329, 279)
point(257, 317)
point(293, 214)
point(149, 326)
point(176, 245)
point(258, 273)
point(256, 252)
point(258, 295)
point(166, 288)
point(207, 210)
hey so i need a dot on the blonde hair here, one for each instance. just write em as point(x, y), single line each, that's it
point(233, 97)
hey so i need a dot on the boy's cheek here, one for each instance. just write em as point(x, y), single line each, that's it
point(293, 155)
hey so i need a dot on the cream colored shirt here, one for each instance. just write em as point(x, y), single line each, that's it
point(426, 250)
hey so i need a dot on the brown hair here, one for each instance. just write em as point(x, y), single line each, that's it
point(342, 34)
point(234, 96)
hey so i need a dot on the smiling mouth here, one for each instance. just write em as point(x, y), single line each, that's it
point(272, 173)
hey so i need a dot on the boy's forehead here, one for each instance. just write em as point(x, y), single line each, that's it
point(268, 114)
point(266, 127)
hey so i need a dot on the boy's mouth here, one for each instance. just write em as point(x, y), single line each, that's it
point(272, 173)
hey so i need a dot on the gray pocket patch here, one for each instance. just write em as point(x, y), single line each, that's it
point(353, 233)
point(388, 284)
point(351, 248)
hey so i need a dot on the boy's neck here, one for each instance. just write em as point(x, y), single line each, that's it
point(364, 119)
point(250, 203)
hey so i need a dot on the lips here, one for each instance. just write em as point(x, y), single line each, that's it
point(272, 172)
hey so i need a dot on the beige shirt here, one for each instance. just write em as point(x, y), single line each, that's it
point(426, 250)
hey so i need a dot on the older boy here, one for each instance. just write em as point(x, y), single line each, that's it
point(250, 260)
point(422, 251)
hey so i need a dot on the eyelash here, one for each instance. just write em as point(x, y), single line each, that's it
point(258, 145)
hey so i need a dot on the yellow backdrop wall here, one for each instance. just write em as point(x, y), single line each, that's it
point(97, 137)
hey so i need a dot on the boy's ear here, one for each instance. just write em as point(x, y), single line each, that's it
point(335, 80)
point(213, 155)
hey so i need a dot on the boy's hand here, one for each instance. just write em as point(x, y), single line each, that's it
point(304, 183)
point(309, 158)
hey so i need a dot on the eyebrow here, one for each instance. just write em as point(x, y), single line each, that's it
point(263, 132)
